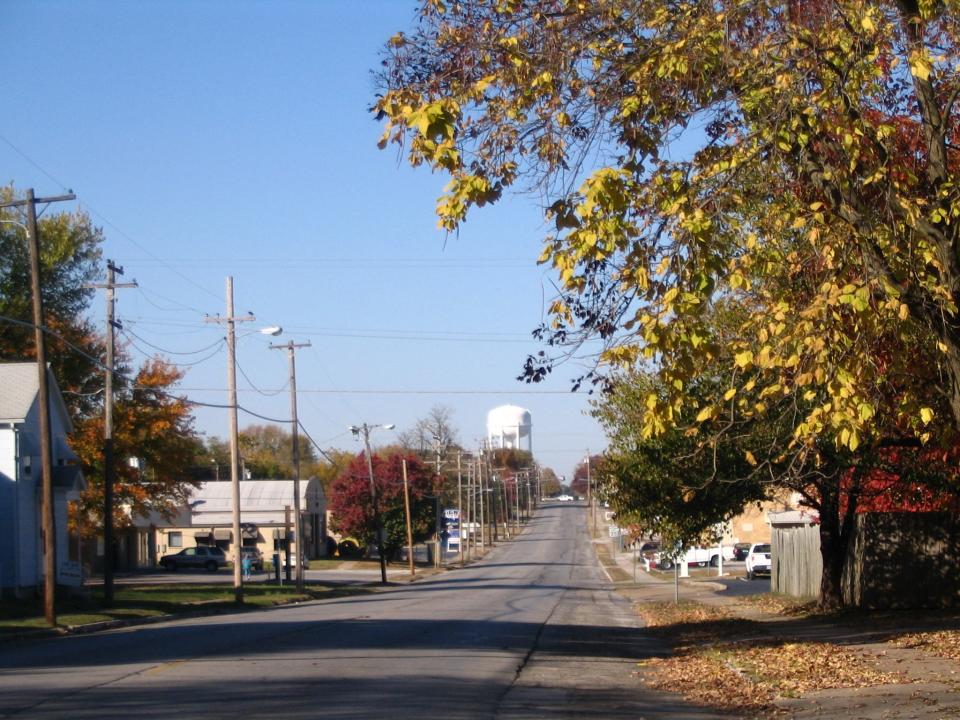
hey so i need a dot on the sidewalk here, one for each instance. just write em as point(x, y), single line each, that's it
point(926, 685)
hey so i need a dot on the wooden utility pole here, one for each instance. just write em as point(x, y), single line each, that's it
point(460, 509)
point(406, 507)
point(291, 348)
point(48, 527)
point(109, 465)
point(230, 322)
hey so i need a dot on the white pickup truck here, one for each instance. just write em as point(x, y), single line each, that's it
point(696, 556)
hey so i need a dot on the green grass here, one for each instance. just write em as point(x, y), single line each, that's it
point(144, 601)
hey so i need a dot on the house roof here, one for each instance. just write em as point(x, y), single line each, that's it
point(19, 386)
point(260, 500)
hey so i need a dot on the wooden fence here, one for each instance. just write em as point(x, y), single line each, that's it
point(894, 560)
point(796, 565)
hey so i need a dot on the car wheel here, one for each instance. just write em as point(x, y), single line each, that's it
point(666, 565)
point(171, 567)
point(715, 561)
point(211, 566)
point(750, 575)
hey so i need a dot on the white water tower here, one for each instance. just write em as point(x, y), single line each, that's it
point(509, 426)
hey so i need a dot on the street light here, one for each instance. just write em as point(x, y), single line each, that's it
point(365, 429)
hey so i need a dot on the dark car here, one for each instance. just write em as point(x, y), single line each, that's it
point(209, 558)
point(256, 558)
point(740, 551)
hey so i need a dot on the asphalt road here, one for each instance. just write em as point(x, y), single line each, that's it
point(534, 631)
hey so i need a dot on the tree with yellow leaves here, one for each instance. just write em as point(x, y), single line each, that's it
point(796, 160)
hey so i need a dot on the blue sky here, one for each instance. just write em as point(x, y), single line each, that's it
point(232, 138)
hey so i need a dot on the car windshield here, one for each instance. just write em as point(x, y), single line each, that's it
point(762, 549)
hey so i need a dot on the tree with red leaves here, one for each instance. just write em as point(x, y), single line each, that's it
point(352, 508)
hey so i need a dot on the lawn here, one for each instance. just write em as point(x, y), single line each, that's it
point(144, 601)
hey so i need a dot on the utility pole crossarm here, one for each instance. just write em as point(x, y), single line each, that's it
point(37, 201)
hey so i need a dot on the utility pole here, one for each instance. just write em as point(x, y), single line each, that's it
point(231, 321)
point(591, 498)
point(483, 491)
point(291, 348)
point(109, 464)
point(43, 391)
point(460, 508)
point(406, 507)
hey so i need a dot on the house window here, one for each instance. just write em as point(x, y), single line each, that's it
point(175, 539)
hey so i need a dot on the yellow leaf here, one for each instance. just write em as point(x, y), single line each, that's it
point(926, 414)
point(705, 414)
point(867, 23)
point(750, 458)
point(743, 359)
point(920, 67)
point(729, 393)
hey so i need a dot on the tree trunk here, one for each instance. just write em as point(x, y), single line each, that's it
point(836, 528)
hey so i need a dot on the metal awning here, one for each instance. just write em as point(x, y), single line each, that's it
point(222, 534)
point(249, 531)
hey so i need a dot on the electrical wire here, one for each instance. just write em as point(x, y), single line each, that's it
point(183, 306)
point(165, 351)
point(315, 443)
point(174, 364)
point(253, 387)
point(106, 221)
point(131, 381)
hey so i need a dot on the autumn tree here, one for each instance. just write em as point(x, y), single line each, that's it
point(796, 160)
point(691, 151)
point(70, 253)
point(549, 482)
point(152, 425)
point(352, 509)
point(584, 476)
point(267, 452)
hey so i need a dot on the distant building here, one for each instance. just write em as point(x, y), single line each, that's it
point(510, 427)
point(265, 508)
point(21, 547)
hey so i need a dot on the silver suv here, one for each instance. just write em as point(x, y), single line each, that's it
point(207, 557)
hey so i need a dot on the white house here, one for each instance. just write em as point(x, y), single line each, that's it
point(21, 550)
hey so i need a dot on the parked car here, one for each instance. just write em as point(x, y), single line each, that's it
point(209, 558)
point(256, 558)
point(758, 560)
point(740, 551)
point(565, 498)
point(694, 556)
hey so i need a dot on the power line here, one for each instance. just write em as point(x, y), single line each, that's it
point(315, 443)
point(219, 342)
point(253, 387)
point(183, 306)
point(106, 221)
point(131, 381)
